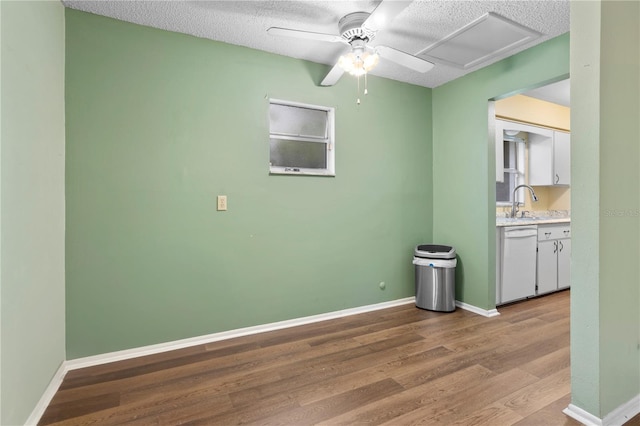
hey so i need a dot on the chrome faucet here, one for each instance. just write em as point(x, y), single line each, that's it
point(514, 208)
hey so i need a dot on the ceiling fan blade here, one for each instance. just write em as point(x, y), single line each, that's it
point(333, 76)
point(286, 32)
point(384, 13)
point(404, 59)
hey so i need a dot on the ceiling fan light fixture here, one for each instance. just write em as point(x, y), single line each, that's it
point(358, 62)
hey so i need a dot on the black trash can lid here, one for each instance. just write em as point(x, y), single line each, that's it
point(433, 251)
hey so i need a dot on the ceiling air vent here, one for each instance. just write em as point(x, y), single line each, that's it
point(487, 37)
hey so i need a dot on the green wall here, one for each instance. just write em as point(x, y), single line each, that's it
point(619, 203)
point(606, 205)
point(159, 123)
point(585, 178)
point(464, 160)
point(32, 199)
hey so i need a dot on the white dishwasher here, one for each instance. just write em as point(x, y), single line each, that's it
point(518, 262)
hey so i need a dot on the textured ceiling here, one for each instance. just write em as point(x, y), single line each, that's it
point(557, 93)
point(421, 24)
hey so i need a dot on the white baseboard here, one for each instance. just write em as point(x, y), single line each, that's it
point(617, 417)
point(215, 337)
point(490, 313)
point(90, 361)
point(105, 358)
point(623, 413)
point(47, 396)
point(582, 416)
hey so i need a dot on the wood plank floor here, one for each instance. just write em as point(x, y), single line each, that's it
point(396, 366)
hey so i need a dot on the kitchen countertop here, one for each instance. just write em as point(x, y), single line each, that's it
point(542, 220)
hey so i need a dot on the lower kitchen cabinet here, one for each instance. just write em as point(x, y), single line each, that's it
point(554, 254)
point(564, 264)
point(532, 260)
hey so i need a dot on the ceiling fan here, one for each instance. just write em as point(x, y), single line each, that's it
point(357, 30)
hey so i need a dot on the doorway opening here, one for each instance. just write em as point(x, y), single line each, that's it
point(532, 136)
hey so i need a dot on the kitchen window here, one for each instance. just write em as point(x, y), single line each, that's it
point(301, 139)
point(513, 146)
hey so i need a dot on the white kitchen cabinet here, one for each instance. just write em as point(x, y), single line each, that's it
point(564, 264)
point(550, 160)
point(498, 265)
point(547, 273)
point(554, 253)
point(562, 158)
point(540, 136)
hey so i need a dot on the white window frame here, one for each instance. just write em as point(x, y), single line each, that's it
point(519, 171)
point(501, 126)
point(329, 141)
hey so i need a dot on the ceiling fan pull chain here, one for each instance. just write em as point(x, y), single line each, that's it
point(365, 84)
point(358, 100)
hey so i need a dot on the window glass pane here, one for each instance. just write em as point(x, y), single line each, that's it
point(509, 155)
point(297, 121)
point(308, 155)
point(505, 189)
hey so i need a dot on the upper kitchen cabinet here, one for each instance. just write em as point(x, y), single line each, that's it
point(562, 158)
point(510, 134)
point(550, 160)
point(549, 153)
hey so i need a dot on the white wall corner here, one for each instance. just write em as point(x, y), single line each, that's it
point(485, 313)
point(47, 396)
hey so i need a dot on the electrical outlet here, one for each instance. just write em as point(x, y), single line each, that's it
point(222, 202)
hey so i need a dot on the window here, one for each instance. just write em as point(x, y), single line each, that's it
point(301, 139)
point(513, 168)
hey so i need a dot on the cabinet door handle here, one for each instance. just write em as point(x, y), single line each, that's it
point(555, 247)
point(557, 178)
point(561, 245)
point(547, 234)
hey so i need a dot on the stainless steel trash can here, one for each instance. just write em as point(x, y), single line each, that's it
point(435, 270)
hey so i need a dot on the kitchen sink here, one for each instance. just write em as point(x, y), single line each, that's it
point(516, 220)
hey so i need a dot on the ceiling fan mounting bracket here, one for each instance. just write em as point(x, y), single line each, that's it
point(350, 27)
